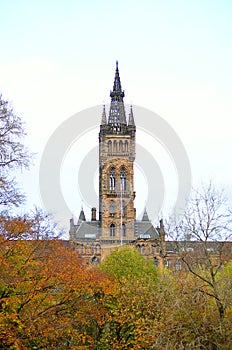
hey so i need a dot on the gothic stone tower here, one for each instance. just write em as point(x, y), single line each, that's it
point(117, 224)
point(116, 170)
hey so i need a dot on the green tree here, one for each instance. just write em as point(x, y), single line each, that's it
point(126, 264)
point(133, 309)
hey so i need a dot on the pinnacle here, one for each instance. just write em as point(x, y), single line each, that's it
point(103, 121)
point(131, 121)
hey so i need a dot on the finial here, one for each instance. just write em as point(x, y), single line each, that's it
point(116, 65)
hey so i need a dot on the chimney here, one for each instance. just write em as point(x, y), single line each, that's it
point(93, 214)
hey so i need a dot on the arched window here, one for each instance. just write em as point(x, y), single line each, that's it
point(120, 146)
point(92, 248)
point(112, 230)
point(123, 207)
point(123, 230)
point(115, 146)
point(112, 207)
point(112, 179)
point(98, 248)
point(82, 249)
point(109, 146)
point(142, 249)
point(123, 179)
point(138, 248)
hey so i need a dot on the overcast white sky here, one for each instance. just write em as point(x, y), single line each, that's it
point(58, 58)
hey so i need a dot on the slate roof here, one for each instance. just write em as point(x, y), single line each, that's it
point(87, 230)
point(90, 230)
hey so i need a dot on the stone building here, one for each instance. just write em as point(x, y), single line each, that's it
point(117, 224)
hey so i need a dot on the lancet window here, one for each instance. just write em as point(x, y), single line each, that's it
point(112, 179)
point(123, 179)
point(109, 146)
point(123, 230)
point(112, 207)
point(112, 230)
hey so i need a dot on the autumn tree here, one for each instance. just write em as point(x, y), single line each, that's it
point(13, 154)
point(201, 238)
point(48, 299)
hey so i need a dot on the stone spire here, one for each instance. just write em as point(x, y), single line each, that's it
point(145, 215)
point(117, 114)
point(117, 94)
point(103, 121)
point(131, 121)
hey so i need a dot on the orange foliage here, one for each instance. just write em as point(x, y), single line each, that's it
point(48, 299)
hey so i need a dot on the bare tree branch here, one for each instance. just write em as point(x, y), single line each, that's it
point(13, 155)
